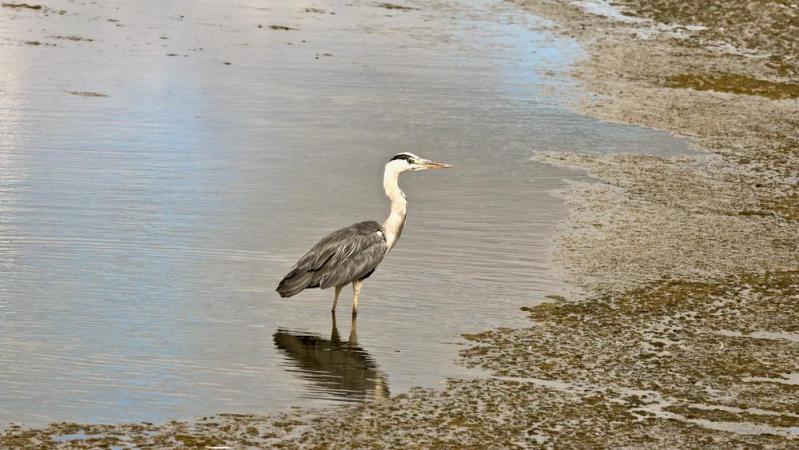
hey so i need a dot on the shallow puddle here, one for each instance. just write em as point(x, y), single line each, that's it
point(162, 168)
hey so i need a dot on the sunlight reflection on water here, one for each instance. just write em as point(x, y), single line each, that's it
point(142, 234)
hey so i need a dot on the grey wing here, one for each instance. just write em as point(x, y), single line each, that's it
point(346, 255)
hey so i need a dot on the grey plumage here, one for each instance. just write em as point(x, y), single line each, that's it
point(345, 255)
point(351, 254)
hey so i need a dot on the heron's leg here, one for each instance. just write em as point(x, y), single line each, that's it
point(334, 338)
point(335, 298)
point(356, 292)
point(353, 342)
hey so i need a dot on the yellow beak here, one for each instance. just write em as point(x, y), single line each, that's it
point(435, 165)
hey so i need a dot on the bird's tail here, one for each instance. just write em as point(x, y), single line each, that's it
point(294, 283)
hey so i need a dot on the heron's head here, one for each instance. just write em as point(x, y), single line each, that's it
point(402, 162)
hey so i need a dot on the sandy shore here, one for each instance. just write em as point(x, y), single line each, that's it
point(686, 331)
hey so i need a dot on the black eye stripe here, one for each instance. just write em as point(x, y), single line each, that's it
point(408, 158)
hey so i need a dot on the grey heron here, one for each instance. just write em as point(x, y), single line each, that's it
point(351, 254)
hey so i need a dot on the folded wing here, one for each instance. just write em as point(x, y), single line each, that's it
point(343, 256)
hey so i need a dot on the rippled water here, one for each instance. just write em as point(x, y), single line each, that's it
point(163, 164)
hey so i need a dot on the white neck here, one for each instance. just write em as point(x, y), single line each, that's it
point(399, 206)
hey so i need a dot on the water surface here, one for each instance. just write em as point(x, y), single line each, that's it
point(163, 164)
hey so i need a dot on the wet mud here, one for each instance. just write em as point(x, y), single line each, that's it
point(396, 7)
point(733, 83)
point(87, 94)
point(22, 6)
point(34, 8)
point(74, 38)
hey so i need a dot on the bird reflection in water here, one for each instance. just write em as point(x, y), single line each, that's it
point(338, 369)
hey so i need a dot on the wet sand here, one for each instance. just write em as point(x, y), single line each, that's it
point(681, 330)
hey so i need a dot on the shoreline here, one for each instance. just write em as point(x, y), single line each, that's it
point(686, 331)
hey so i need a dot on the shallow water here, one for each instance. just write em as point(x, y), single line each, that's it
point(142, 232)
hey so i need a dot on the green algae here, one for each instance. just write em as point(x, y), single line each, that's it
point(394, 6)
point(193, 441)
point(87, 94)
point(735, 84)
point(782, 67)
point(23, 6)
point(663, 337)
point(786, 207)
point(764, 26)
point(750, 212)
point(718, 415)
point(468, 414)
point(667, 336)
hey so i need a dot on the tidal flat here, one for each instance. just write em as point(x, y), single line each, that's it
point(679, 328)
